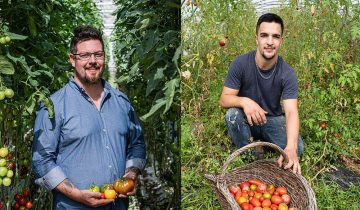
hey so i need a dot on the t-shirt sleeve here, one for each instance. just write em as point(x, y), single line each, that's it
point(290, 86)
point(233, 78)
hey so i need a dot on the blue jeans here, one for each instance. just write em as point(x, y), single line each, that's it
point(272, 131)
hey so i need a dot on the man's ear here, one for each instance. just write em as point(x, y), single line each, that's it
point(72, 60)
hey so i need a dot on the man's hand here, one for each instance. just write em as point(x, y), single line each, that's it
point(293, 161)
point(254, 113)
point(86, 197)
point(131, 174)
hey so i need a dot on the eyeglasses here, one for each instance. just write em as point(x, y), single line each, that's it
point(86, 56)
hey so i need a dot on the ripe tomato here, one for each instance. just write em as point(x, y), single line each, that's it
point(276, 199)
point(283, 206)
point(274, 207)
point(323, 125)
point(245, 186)
point(16, 206)
point(255, 202)
point(17, 197)
point(257, 208)
point(26, 193)
point(251, 193)
point(261, 199)
point(124, 185)
point(102, 196)
point(281, 190)
point(255, 182)
point(286, 198)
point(29, 205)
point(237, 195)
point(222, 42)
point(266, 208)
point(245, 206)
point(232, 189)
point(22, 202)
point(261, 188)
point(241, 200)
point(1, 205)
point(270, 188)
point(110, 194)
point(266, 203)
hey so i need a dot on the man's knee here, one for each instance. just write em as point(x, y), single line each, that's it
point(233, 115)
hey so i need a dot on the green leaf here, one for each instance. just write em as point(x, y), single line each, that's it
point(30, 105)
point(155, 77)
point(158, 104)
point(145, 23)
point(14, 36)
point(176, 57)
point(6, 66)
point(170, 90)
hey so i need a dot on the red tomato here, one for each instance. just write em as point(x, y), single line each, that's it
point(26, 193)
point(17, 197)
point(16, 206)
point(11, 166)
point(281, 190)
point(255, 182)
point(245, 186)
point(261, 199)
point(270, 189)
point(274, 207)
point(323, 125)
point(233, 189)
point(238, 194)
point(102, 196)
point(222, 42)
point(286, 198)
point(244, 194)
point(276, 193)
point(1, 205)
point(258, 208)
point(257, 195)
point(266, 203)
point(29, 205)
point(255, 202)
point(261, 188)
point(245, 206)
point(276, 199)
point(22, 202)
point(251, 193)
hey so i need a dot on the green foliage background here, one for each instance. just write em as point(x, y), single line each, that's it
point(40, 32)
point(324, 51)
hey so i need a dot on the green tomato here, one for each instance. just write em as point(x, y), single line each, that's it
point(253, 187)
point(6, 181)
point(10, 173)
point(2, 95)
point(3, 171)
point(2, 40)
point(94, 188)
point(4, 152)
point(9, 93)
point(2, 162)
point(7, 39)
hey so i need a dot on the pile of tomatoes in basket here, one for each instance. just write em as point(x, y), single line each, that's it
point(255, 194)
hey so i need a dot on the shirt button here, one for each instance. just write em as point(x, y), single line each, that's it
point(104, 130)
point(107, 147)
point(110, 166)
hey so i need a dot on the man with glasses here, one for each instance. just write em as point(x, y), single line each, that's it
point(253, 88)
point(94, 137)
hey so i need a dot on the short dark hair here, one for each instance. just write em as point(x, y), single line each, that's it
point(269, 18)
point(84, 33)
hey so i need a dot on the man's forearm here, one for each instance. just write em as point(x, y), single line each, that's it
point(229, 101)
point(292, 129)
point(69, 189)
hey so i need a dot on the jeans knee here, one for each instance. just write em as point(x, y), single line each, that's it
point(300, 146)
point(233, 115)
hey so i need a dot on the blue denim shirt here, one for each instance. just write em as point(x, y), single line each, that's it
point(86, 145)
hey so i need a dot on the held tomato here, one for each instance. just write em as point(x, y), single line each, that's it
point(281, 190)
point(110, 194)
point(106, 187)
point(124, 185)
point(276, 199)
point(102, 196)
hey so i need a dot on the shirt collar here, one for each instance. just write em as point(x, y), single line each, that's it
point(77, 87)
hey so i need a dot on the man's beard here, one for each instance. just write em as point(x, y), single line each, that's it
point(89, 80)
point(267, 58)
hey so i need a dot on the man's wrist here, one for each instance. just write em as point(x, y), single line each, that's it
point(133, 169)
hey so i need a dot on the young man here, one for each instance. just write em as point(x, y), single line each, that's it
point(94, 137)
point(255, 83)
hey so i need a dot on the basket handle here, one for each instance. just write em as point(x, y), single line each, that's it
point(221, 178)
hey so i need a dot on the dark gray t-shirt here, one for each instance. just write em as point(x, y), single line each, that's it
point(244, 76)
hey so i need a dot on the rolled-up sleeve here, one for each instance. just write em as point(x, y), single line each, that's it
point(136, 149)
point(44, 150)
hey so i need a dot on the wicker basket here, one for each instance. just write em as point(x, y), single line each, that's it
point(267, 170)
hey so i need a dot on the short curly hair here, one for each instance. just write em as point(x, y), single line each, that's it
point(84, 33)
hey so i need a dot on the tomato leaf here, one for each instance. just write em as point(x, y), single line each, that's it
point(14, 36)
point(6, 66)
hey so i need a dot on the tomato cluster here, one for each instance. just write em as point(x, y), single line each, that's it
point(7, 92)
point(255, 194)
point(110, 191)
point(22, 201)
point(5, 40)
point(6, 167)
